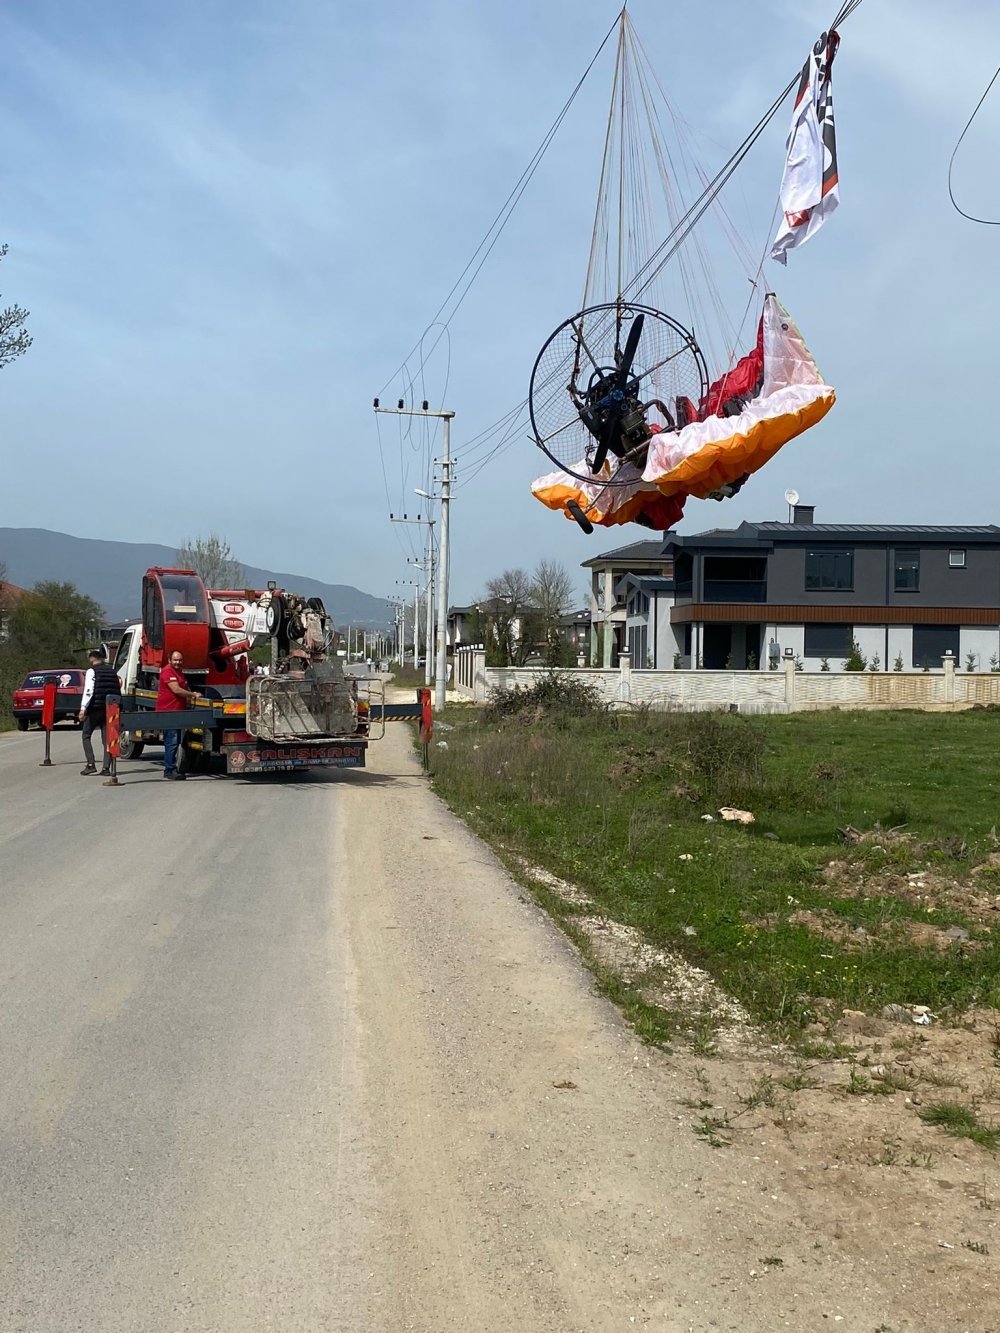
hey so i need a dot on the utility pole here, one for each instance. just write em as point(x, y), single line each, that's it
point(415, 583)
point(446, 465)
point(441, 679)
point(427, 567)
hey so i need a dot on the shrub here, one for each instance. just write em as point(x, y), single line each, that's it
point(554, 693)
point(725, 753)
point(855, 658)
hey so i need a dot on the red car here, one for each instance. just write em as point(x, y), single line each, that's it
point(28, 696)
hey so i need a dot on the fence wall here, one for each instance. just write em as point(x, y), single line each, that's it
point(783, 691)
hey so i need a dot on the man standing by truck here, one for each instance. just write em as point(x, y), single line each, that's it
point(173, 694)
point(100, 683)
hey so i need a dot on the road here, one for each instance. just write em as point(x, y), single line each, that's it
point(298, 1055)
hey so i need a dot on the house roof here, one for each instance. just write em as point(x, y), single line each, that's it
point(637, 551)
point(763, 536)
point(648, 583)
point(10, 595)
point(987, 532)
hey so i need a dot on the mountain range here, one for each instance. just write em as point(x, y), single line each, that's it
point(111, 573)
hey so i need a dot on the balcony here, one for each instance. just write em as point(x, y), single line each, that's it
point(735, 590)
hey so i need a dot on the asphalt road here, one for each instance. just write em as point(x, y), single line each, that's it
point(297, 1054)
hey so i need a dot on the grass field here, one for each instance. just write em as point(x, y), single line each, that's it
point(874, 837)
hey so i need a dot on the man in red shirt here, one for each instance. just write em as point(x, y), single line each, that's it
point(171, 697)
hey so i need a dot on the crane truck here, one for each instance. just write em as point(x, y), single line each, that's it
point(305, 713)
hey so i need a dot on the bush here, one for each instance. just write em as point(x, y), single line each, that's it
point(856, 658)
point(725, 753)
point(552, 694)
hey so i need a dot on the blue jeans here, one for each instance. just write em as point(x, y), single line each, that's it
point(171, 744)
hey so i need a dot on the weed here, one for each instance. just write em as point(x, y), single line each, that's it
point(762, 1093)
point(961, 1122)
point(799, 1082)
point(891, 1147)
point(702, 1077)
point(939, 1079)
point(894, 1080)
point(822, 1050)
point(701, 1039)
point(858, 1085)
point(711, 1129)
point(977, 1247)
point(773, 1262)
point(927, 1160)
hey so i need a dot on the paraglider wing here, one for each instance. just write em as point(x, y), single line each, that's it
point(631, 500)
point(718, 450)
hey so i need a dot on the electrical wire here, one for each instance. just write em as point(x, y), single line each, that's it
point(501, 219)
point(985, 222)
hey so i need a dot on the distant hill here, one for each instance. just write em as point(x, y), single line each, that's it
point(111, 573)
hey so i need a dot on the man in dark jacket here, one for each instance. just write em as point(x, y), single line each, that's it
point(99, 684)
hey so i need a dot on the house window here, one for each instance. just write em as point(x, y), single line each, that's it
point(956, 559)
point(829, 571)
point(931, 642)
point(827, 641)
point(906, 571)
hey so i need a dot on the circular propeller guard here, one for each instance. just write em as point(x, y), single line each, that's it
point(604, 378)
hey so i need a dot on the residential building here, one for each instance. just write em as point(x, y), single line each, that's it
point(905, 594)
point(610, 591)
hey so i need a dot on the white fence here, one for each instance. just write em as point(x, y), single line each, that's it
point(783, 691)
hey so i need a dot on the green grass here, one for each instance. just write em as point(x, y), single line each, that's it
point(613, 802)
point(961, 1122)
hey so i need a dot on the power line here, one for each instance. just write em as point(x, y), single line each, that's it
point(985, 222)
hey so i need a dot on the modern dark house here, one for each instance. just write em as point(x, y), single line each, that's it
point(906, 595)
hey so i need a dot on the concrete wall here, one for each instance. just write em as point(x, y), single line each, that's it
point(783, 691)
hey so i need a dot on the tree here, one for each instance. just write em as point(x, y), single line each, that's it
point(855, 658)
point(551, 593)
point(504, 612)
point(212, 558)
point(14, 337)
point(53, 623)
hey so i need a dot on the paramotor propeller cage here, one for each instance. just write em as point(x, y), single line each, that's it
point(604, 379)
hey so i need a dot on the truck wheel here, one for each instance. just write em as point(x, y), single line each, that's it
point(22, 724)
point(129, 748)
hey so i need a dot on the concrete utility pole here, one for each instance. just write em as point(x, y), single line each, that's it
point(446, 465)
point(415, 584)
point(427, 567)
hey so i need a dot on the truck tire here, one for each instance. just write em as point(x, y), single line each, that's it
point(129, 748)
point(22, 724)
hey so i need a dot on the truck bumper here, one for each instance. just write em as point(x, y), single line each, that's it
point(277, 757)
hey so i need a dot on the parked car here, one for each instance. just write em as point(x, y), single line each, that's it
point(28, 696)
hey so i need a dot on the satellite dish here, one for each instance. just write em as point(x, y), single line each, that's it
point(792, 497)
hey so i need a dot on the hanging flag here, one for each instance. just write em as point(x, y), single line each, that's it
point(809, 185)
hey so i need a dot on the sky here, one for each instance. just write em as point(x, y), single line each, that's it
point(233, 222)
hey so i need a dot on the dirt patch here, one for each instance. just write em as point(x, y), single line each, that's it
point(975, 899)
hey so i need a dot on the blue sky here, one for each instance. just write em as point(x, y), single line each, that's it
point(231, 222)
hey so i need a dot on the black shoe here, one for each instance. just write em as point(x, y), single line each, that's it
point(175, 777)
point(105, 772)
point(86, 772)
